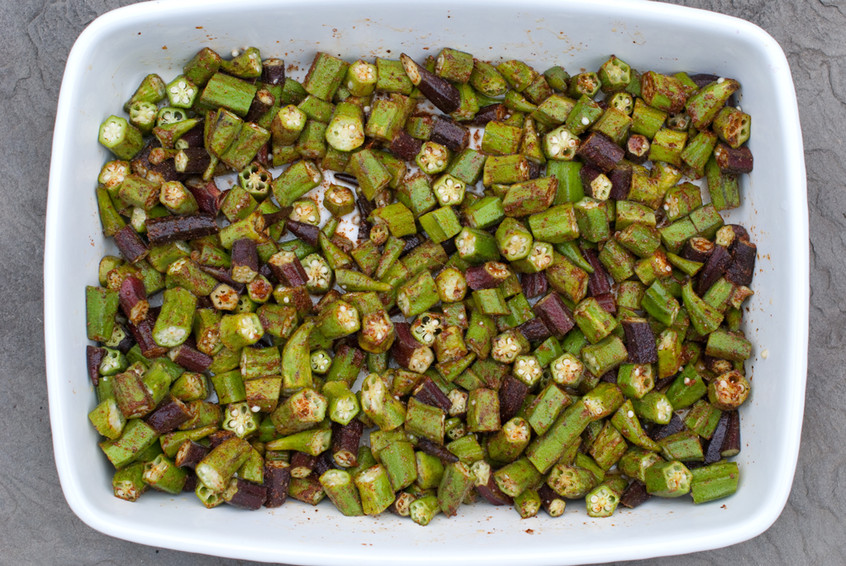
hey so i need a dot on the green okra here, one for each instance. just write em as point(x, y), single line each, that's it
point(714, 481)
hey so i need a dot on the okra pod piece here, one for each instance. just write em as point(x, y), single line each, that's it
point(455, 484)
point(341, 490)
point(343, 404)
point(379, 405)
point(687, 388)
point(360, 79)
point(728, 345)
point(440, 92)
point(594, 321)
point(684, 446)
point(324, 76)
point(174, 323)
point(728, 391)
point(128, 483)
point(704, 318)
point(163, 475)
point(625, 420)
point(714, 481)
point(418, 295)
point(218, 467)
point(346, 439)
point(703, 105)
point(301, 411)
point(101, 306)
point(733, 161)
point(120, 137)
point(732, 126)
point(423, 509)
point(338, 319)
point(296, 362)
point(312, 442)
point(424, 419)
point(374, 488)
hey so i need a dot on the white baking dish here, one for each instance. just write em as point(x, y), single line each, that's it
point(118, 49)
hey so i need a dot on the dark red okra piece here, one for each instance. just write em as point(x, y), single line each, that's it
point(547, 496)
point(218, 437)
point(731, 440)
point(675, 425)
point(245, 264)
point(429, 393)
point(190, 453)
point(273, 71)
point(640, 341)
point(713, 450)
point(272, 218)
point(555, 314)
point(324, 463)
point(486, 276)
point(490, 113)
point(440, 92)
point(534, 284)
point(207, 195)
point(587, 174)
point(609, 376)
point(407, 351)
point(195, 161)
point(714, 268)
point(733, 161)
point(308, 233)
point(277, 476)
point(143, 335)
point(598, 281)
point(412, 242)
point(621, 182)
point(742, 265)
point(534, 170)
point(262, 102)
point(195, 137)
point(191, 482)
point(447, 133)
point(93, 357)
point(404, 146)
point(492, 494)
point(168, 416)
point(130, 244)
point(534, 330)
point(287, 269)
point(698, 249)
point(345, 441)
point(600, 151)
point(512, 393)
point(637, 148)
point(608, 302)
point(247, 495)
point(173, 228)
point(133, 299)
point(190, 358)
point(224, 276)
point(437, 450)
point(702, 79)
point(634, 495)
point(302, 464)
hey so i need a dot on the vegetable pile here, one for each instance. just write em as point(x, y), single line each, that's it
point(428, 284)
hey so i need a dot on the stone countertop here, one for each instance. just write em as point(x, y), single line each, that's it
point(39, 527)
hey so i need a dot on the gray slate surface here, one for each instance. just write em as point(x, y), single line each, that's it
point(38, 527)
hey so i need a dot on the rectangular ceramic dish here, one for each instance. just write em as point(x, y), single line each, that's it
point(118, 49)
